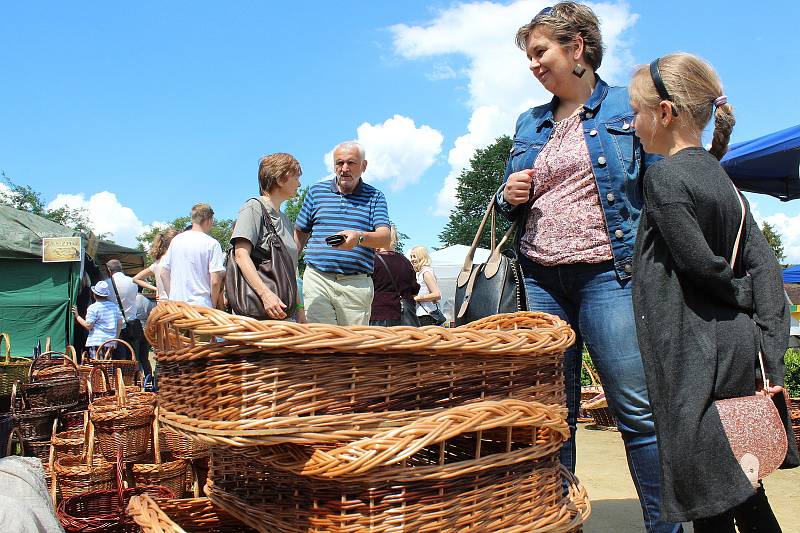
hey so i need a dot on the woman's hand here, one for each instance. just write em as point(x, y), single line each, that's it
point(518, 187)
point(770, 391)
point(74, 311)
point(273, 305)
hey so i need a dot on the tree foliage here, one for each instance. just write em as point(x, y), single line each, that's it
point(25, 198)
point(221, 231)
point(774, 240)
point(476, 186)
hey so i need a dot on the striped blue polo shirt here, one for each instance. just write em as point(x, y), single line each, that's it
point(326, 211)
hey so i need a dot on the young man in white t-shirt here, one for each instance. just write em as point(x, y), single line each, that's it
point(192, 270)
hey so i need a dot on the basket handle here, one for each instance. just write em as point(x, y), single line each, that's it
point(88, 435)
point(7, 338)
point(47, 344)
point(394, 445)
point(107, 354)
point(15, 431)
point(122, 396)
point(103, 380)
point(48, 356)
point(591, 372)
point(71, 353)
point(53, 476)
point(14, 398)
point(156, 445)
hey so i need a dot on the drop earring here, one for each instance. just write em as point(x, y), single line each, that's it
point(578, 71)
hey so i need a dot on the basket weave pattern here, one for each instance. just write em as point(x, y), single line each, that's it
point(197, 515)
point(323, 428)
point(12, 369)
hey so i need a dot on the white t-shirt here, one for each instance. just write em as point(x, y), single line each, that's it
point(127, 293)
point(189, 262)
point(425, 308)
point(156, 268)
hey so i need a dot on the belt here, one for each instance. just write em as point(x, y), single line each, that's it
point(337, 277)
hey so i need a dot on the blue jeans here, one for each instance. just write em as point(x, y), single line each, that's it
point(598, 306)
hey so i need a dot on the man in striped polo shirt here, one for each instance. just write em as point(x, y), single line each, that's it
point(337, 283)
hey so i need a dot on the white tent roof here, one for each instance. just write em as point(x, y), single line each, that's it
point(447, 264)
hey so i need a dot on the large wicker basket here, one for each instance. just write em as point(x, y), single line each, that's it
point(123, 426)
point(195, 515)
point(12, 369)
point(76, 474)
point(34, 424)
point(273, 382)
point(170, 474)
point(488, 466)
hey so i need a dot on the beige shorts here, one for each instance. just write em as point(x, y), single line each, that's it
point(338, 299)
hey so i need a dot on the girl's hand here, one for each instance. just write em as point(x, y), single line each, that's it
point(74, 310)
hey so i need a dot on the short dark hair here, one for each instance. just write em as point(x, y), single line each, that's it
point(567, 20)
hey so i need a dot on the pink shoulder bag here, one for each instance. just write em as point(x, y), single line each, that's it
point(752, 424)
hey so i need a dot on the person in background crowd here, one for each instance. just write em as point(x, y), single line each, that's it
point(103, 318)
point(278, 180)
point(701, 321)
point(429, 295)
point(399, 281)
point(193, 269)
point(157, 250)
point(143, 307)
point(337, 285)
point(125, 290)
point(571, 185)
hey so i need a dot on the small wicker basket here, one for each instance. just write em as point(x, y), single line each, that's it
point(171, 474)
point(12, 369)
point(197, 515)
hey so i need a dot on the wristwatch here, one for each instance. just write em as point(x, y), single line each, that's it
point(360, 239)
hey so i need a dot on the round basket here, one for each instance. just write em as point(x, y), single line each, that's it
point(104, 510)
point(123, 426)
point(34, 424)
point(171, 474)
point(39, 449)
point(181, 447)
point(488, 466)
point(588, 392)
point(71, 442)
point(197, 515)
point(53, 381)
point(12, 369)
point(272, 382)
point(110, 366)
point(77, 474)
point(601, 414)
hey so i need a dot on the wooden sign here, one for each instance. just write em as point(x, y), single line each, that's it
point(60, 249)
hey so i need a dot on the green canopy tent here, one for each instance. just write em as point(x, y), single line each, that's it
point(36, 297)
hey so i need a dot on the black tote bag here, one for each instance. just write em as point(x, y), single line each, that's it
point(493, 287)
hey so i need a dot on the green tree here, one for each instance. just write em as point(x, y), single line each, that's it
point(25, 198)
point(774, 240)
point(221, 231)
point(476, 186)
point(293, 205)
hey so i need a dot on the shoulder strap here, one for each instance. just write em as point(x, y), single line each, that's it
point(734, 253)
point(391, 278)
point(116, 293)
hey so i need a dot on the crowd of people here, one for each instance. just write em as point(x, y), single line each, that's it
point(628, 229)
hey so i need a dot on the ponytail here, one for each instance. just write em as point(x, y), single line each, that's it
point(723, 126)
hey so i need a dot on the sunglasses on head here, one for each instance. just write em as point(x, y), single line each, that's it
point(661, 89)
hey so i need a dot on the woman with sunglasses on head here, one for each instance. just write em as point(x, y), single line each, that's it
point(571, 185)
point(708, 297)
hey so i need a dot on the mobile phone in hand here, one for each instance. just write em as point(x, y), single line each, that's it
point(335, 240)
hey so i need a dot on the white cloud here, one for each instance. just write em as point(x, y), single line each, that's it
point(106, 215)
point(397, 151)
point(787, 226)
point(441, 71)
point(500, 84)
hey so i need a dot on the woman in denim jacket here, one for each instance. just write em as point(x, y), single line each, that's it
point(572, 186)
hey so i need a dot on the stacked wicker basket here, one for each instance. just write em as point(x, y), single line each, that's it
point(322, 428)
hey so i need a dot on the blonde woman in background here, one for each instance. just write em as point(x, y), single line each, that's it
point(157, 250)
point(429, 294)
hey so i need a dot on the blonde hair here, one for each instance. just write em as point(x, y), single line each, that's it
point(693, 85)
point(423, 257)
point(201, 213)
point(273, 167)
point(161, 243)
point(566, 21)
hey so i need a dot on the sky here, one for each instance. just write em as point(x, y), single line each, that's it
point(136, 111)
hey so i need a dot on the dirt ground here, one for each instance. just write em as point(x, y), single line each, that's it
point(615, 508)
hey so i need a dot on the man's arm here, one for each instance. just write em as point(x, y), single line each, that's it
point(300, 239)
point(380, 238)
point(217, 279)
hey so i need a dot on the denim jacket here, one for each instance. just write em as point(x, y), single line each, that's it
point(618, 163)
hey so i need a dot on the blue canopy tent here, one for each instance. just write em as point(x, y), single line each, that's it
point(792, 275)
point(767, 165)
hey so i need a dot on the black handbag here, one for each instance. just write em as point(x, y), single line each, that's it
point(493, 287)
point(408, 310)
point(274, 266)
